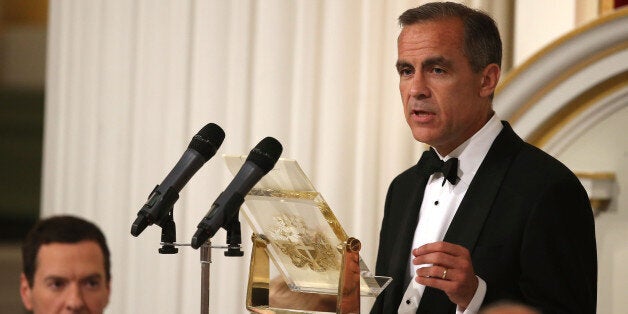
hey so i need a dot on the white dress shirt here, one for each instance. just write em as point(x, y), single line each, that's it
point(440, 203)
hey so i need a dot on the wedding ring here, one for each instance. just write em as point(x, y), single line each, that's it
point(444, 274)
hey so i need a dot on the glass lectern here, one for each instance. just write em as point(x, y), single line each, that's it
point(295, 229)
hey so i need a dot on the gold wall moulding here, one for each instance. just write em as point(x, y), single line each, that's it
point(600, 187)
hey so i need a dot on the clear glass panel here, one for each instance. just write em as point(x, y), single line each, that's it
point(305, 238)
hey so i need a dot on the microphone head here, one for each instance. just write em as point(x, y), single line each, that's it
point(266, 154)
point(207, 140)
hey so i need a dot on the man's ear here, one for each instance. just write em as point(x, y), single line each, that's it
point(108, 290)
point(490, 77)
point(25, 292)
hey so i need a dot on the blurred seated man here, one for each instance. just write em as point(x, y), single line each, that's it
point(65, 267)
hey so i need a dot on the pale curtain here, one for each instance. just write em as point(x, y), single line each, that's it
point(130, 82)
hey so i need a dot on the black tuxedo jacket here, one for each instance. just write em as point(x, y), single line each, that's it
point(525, 219)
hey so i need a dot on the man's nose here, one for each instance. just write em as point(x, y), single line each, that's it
point(418, 87)
point(74, 298)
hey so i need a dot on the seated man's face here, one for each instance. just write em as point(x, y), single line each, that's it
point(69, 278)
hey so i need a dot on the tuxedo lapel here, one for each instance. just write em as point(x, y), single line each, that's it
point(410, 194)
point(469, 219)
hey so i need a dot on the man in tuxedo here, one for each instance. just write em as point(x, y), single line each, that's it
point(483, 216)
point(66, 267)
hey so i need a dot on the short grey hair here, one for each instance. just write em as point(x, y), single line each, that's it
point(482, 43)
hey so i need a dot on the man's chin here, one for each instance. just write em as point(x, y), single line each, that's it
point(427, 138)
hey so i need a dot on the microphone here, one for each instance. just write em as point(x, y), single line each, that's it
point(261, 159)
point(202, 147)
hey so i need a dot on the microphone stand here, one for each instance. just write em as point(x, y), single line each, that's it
point(233, 248)
point(206, 259)
point(168, 234)
point(234, 238)
point(234, 241)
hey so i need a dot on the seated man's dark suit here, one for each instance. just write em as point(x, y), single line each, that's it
point(525, 219)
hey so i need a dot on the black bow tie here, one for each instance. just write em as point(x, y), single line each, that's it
point(431, 163)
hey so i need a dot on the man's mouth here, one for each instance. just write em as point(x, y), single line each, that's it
point(422, 116)
point(422, 113)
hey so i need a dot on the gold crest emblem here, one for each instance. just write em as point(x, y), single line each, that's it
point(305, 247)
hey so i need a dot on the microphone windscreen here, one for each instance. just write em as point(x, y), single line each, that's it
point(266, 154)
point(207, 140)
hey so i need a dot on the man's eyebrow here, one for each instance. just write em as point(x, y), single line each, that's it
point(55, 278)
point(427, 63)
point(93, 277)
point(402, 64)
point(90, 276)
point(439, 60)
